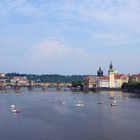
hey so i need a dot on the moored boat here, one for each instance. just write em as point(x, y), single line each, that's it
point(79, 105)
point(15, 110)
point(12, 106)
point(113, 104)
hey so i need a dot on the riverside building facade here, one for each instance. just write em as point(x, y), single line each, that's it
point(112, 80)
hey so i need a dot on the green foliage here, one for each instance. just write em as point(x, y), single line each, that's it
point(50, 77)
point(76, 83)
point(131, 85)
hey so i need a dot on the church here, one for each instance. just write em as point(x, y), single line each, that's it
point(112, 80)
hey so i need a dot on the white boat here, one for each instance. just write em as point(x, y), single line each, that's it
point(79, 105)
point(15, 110)
point(12, 106)
point(113, 104)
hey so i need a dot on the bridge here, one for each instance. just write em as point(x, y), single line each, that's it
point(17, 86)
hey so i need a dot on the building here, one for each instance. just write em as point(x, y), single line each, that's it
point(100, 72)
point(89, 82)
point(20, 80)
point(113, 80)
point(120, 79)
point(134, 78)
point(102, 81)
point(2, 74)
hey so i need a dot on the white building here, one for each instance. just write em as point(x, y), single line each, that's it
point(2, 74)
point(113, 80)
point(20, 80)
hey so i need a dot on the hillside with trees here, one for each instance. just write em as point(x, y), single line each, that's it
point(50, 77)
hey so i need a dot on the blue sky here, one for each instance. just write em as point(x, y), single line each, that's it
point(69, 36)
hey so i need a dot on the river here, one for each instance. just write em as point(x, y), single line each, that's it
point(45, 116)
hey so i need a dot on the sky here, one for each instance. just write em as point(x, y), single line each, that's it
point(69, 36)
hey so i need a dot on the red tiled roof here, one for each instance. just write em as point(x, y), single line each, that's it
point(120, 76)
point(117, 76)
point(104, 78)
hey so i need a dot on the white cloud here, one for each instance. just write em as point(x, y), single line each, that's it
point(110, 12)
point(53, 57)
point(117, 20)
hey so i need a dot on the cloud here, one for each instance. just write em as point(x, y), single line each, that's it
point(111, 13)
point(53, 56)
point(115, 22)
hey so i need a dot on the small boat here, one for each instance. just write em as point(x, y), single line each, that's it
point(15, 110)
point(101, 102)
point(79, 105)
point(113, 104)
point(12, 106)
point(112, 98)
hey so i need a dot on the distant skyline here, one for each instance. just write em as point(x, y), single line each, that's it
point(69, 36)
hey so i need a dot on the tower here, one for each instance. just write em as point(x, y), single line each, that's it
point(110, 66)
point(100, 72)
point(111, 76)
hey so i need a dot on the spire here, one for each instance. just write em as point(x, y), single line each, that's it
point(99, 72)
point(110, 66)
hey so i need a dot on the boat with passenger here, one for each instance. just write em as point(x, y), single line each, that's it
point(113, 104)
point(12, 106)
point(79, 104)
point(15, 110)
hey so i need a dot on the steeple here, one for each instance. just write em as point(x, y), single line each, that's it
point(100, 72)
point(110, 66)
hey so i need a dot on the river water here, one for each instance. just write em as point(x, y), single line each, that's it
point(44, 116)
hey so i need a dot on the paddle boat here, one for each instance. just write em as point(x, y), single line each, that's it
point(79, 104)
point(113, 104)
point(15, 110)
point(12, 106)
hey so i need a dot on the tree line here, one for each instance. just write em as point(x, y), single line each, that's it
point(131, 86)
point(50, 77)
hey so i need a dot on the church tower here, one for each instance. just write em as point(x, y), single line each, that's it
point(100, 72)
point(111, 76)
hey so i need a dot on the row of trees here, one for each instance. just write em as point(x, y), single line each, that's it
point(50, 77)
point(131, 86)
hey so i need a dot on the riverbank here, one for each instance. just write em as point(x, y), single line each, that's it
point(133, 87)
